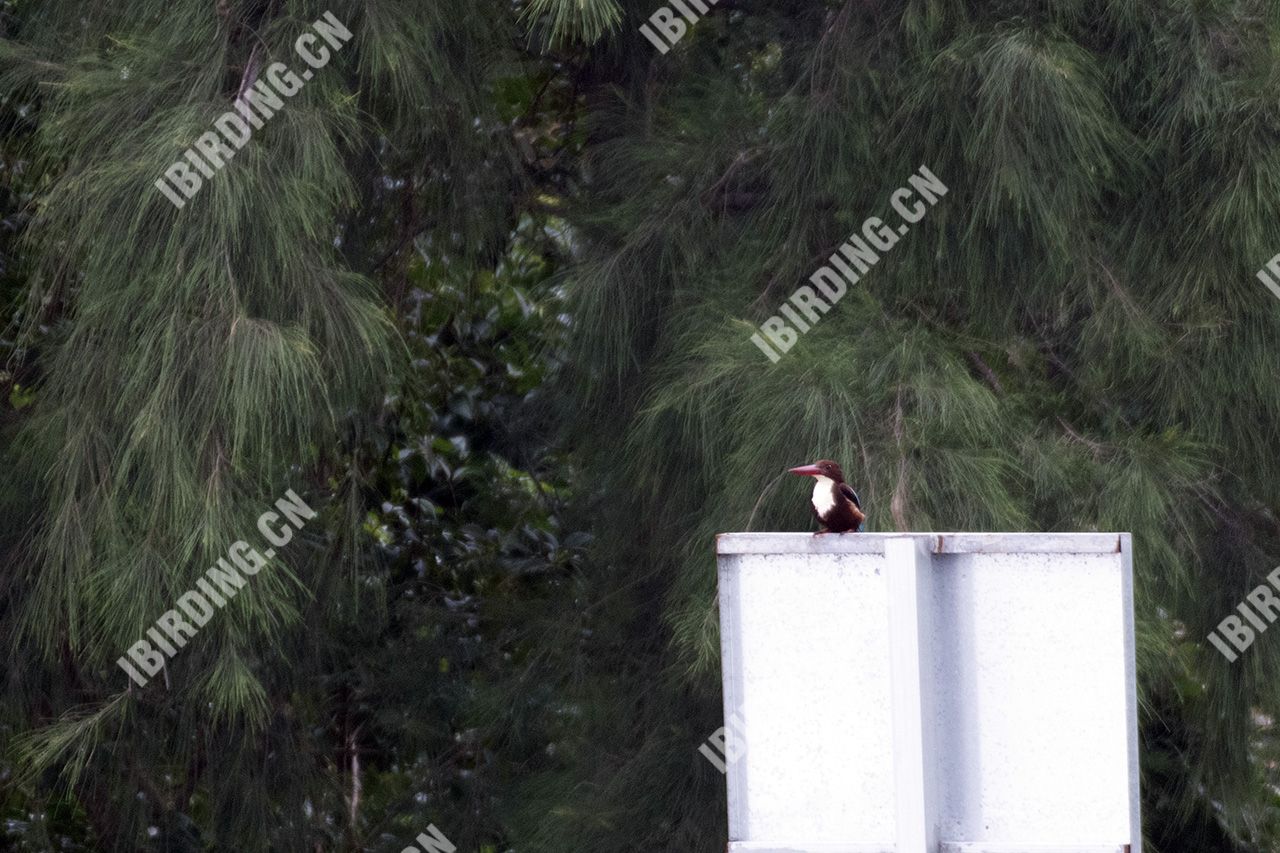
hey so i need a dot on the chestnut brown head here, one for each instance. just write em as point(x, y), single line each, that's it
point(821, 468)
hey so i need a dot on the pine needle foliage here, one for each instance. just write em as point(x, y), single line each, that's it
point(573, 20)
point(1073, 339)
point(198, 363)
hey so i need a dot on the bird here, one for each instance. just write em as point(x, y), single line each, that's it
point(834, 502)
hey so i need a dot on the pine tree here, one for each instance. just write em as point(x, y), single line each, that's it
point(199, 361)
point(1071, 339)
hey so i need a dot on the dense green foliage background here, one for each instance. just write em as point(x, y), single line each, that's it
point(482, 292)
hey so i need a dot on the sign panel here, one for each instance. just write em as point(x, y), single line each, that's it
point(963, 693)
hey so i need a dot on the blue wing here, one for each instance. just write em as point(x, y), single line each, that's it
point(848, 492)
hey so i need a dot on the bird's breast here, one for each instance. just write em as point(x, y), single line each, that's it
point(824, 496)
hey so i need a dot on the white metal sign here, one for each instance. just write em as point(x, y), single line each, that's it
point(930, 693)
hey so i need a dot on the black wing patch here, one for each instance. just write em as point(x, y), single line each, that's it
point(848, 492)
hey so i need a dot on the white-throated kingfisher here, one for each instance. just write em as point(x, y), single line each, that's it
point(834, 502)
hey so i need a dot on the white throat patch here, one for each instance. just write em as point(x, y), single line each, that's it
point(824, 494)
